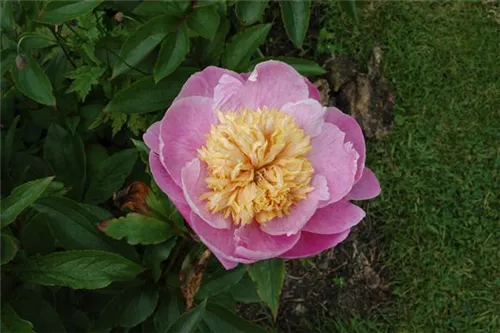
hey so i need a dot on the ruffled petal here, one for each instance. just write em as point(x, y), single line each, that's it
point(164, 181)
point(335, 218)
point(368, 187)
point(311, 244)
point(152, 137)
point(308, 114)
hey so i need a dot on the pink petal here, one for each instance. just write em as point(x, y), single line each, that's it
point(164, 181)
point(300, 213)
point(152, 137)
point(273, 84)
point(254, 244)
point(183, 131)
point(220, 241)
point(368, 187)
point(203, 83)
point(227, 94)
point(335, 160)
point(308, 114)
point(311, 244)
point(335, 218)
point(194, 185)
point(313, 90)
point(353, 133)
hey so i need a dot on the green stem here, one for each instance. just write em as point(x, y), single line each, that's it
point(63, 48)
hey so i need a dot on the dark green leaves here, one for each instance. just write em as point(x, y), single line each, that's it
point(137, 229)
point(57, 12)
point(220, 283)
point(220, 319)
point(243, 45)
point(84, 78)
point(9, 248)
point(303, 66)
point(204, 21)
point(12, 323)
point(21, 197)
point(269, 276)
point(143, 41)
point(146, 96)
point(351, 8)
point(250, 11)
point(172, 53)
point(88, 269)
point(32, 81)
point(33, 40)
point(30, 235)
point(295, 15)
point(169, 310)
point(110, 175)
point(188, 322)
point(154, 255)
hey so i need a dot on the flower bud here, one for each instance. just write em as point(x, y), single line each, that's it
point(20, 62)
point(119, 16)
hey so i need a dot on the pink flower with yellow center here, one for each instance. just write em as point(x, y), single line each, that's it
point(257, 167)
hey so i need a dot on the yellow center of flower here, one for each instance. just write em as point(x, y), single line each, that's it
point(257, 165)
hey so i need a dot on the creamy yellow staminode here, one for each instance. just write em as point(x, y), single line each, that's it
point(257, 165)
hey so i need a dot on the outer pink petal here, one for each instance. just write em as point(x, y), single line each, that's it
point(254, 244)
point(228, 93)
point(308, 114)
point(203, 83)
point(194, 185)
point(311, 244)
point(335, 218)
point(273, 84)
point(183, 131)
point(220, 241)
point(367, 187)
point(353, 133)
point(152, 137)
point(335, 160)
point(313, 90)
point(300, 213)
point(164, 181)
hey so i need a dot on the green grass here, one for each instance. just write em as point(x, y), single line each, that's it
point(439, 211)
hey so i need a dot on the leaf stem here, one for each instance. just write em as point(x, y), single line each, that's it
point(63, 48)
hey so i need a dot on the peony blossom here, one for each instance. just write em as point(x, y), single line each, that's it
point(257, 167)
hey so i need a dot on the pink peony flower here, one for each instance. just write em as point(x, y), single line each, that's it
point(257, 167)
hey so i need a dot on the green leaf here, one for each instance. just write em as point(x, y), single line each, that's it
point(154, 255)
point(8, 58)
point(129, 308)
point(8, 143)
point(174, 49)
point(220, 283)
point(243, 45)
point(269, 275)
point(245, 291)
point(303, 66)
point(141, 42)
point(75, 228)
point(204, 21)
point(169, 310)
point(65, 155)
point(351, 8)
point(220, 319)
point(155, 7)
point(33, 40)
point(110, 175)
point(32, 81)
point(84, 77)
point(212, 50)
point(30, 236)
point(137, 229)
point(146, 96)
point(295, 16)
point(12, 323)
point(9, 248)
point(57, 12)
point(6, 16)
point(86, 269)
point(188, 322)
point(21, 197)
point(249, 12)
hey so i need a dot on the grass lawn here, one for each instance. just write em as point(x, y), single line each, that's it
point(439, 211)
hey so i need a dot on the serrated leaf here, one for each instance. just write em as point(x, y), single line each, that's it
point(22, 197)
point(84, 77)
point(146, 96)
point(141, 42)
point(86, 269)
point(204, 21)
point(57, 12)
point(188, 322)
point(137, 229)
point(269, 275)
point(220, 319)
point(12, 323)
point(9, 248)
point(221, 283)
point(243, 45)
point(174, 49)
point(249, 12)
point(33, 82)
point(154, 255)
point(110, 175)
point(295, 15)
